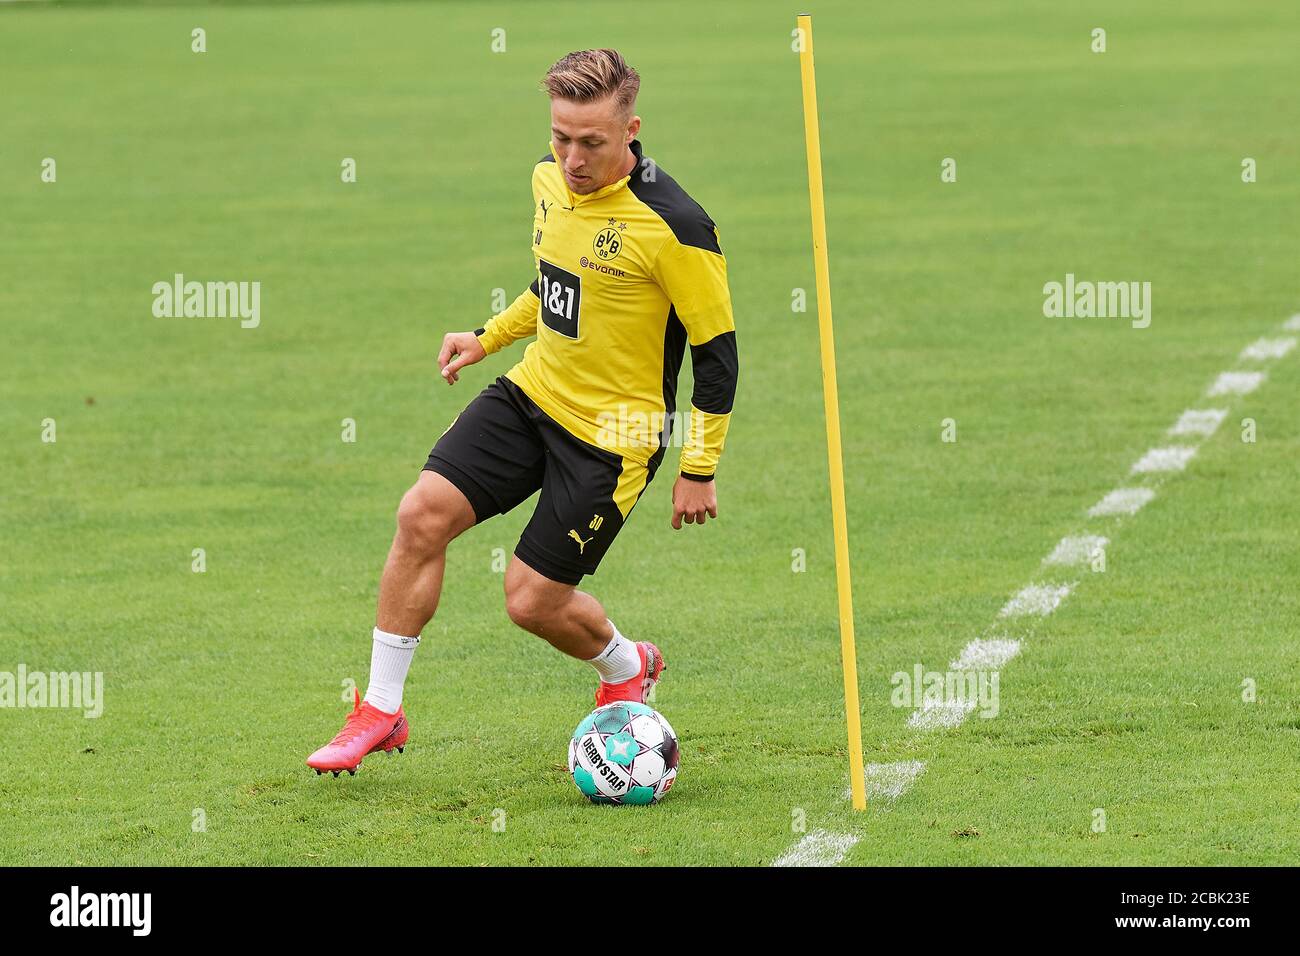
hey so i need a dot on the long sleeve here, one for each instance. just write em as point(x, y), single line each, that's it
point(695, 279)
point(517, 321)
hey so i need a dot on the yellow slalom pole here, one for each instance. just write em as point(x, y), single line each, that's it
point(830, 395)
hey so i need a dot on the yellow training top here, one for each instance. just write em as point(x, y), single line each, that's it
point(626, 276)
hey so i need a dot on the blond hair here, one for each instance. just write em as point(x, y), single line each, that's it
point(587, 75)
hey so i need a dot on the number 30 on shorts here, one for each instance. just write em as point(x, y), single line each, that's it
point(561, 299)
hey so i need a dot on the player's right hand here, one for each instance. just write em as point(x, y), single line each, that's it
point(458, 350)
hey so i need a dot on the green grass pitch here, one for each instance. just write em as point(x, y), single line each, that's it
point(177, 434)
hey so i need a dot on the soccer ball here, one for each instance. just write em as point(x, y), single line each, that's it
point(623, 753)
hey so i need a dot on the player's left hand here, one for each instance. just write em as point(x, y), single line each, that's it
point(458, 350)
point(696, 501)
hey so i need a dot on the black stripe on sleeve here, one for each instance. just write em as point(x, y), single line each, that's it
point(716, 367)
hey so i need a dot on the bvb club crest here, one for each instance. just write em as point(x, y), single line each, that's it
point(608, 244)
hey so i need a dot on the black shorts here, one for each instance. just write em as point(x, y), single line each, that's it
point(502, 448)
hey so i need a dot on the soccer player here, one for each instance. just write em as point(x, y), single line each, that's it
point(628, 271)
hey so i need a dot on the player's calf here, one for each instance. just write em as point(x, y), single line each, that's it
point(431, 514)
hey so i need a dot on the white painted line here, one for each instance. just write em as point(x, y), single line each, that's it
point(818, 848)
point(1262, 350)
point(1170, 458)
point(1076, 550)
point(1199, 421)
point(1121, 501)
point(1039, 599)
point(1235, 383)
point(888, 781)
point(987, 655)
point(943, 715)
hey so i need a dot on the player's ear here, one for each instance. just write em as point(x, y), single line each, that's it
point(633, 127)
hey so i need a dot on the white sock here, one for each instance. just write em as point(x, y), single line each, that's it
point(390, 659)
point(619, 661)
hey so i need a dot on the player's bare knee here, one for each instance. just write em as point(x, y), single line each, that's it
point(526, 606)
point(422, 522)
point(523, 609)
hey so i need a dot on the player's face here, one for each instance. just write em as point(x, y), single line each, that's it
point(591, 141)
